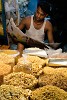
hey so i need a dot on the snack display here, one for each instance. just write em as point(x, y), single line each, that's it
point(12, 53)
point(55, 77)
point(4, 47)
point(30, 64)
point(23, 67)
point(20, 79)
point(7, 59)
point(10, 92)
point(30, 77)
point(4, 70)
point(33, 59)
point(48, 93)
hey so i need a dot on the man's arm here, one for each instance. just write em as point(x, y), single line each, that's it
point(49, 32)
point(22, 24)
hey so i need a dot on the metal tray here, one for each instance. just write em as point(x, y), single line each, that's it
point(57, 62)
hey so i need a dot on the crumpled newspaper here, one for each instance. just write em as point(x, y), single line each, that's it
point(15, 31)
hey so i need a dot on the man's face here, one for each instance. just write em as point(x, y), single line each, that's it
point(40, 15)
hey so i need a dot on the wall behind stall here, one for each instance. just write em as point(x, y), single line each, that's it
point(32, 5)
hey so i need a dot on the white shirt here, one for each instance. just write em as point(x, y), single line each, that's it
point(37, 34)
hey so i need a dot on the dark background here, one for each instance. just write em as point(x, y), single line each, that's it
point(58, 18)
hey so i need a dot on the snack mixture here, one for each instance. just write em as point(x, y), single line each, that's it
point(10, 92)
point(26, 81)
point(31, 78)
point(48, 93)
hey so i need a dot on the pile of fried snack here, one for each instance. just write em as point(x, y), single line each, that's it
point(31, 79)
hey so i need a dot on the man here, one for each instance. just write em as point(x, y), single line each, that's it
point(36, 26)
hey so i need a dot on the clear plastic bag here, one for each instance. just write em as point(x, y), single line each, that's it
point(23, 65)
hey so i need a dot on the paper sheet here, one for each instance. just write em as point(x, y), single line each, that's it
point(15, 31)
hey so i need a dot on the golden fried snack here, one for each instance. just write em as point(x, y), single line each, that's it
point(48, 93)
point(4, 70)
point(53, 76)
point(7, 59)
point(21, 79)
point(10, 92)
point(30, 64)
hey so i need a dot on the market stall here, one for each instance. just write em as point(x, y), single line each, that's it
point(38, 72)
point(37, 69)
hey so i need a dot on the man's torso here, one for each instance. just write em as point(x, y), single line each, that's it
point(28, 22)
point(37, 27)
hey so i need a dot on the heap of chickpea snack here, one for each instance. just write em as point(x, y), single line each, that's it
point(31, 78)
